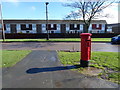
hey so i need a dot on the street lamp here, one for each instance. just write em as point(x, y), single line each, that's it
point(1, 22)
point(47, 21)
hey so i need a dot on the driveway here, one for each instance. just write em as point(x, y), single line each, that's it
point(107, 47)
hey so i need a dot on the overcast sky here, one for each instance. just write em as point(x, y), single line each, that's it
point(15, 9)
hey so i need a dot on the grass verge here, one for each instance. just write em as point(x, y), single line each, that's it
point(11, 57)
point(107, 61)
point(55, 40)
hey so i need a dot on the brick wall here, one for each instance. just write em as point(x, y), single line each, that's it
point(58, 35)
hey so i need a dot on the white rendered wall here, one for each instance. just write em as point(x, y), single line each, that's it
point(33, 28)
point(90, 28)
point(67, 27)
point(44, 28)
point(7, 28)
point(58, 29)
point(18, 28)
point(103, 27)
point(81, 27)
point(23, 31)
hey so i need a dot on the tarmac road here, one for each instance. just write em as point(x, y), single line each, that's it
point(72, 46)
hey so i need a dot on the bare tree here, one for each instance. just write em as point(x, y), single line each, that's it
point(88, 10)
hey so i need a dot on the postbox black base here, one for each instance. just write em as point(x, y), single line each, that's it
point(84, 63)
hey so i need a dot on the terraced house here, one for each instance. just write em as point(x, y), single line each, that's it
point(54, 26)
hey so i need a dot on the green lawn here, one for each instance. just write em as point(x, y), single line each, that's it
point(58, 40)
point(11, 57)
point(107, 61)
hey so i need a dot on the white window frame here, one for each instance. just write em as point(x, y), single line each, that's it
point(97, 25)
point(75, 25)
point(52, 25)
point(27, 25)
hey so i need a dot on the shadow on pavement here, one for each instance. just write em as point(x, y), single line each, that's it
point(49, 69)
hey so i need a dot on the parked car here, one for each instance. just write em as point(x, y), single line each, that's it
point(115, 40)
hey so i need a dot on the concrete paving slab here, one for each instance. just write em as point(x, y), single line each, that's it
point(42, 69)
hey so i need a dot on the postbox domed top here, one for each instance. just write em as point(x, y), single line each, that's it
point(85, 34)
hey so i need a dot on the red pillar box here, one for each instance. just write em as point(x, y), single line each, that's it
point(85, 49)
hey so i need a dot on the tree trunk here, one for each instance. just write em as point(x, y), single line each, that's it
point(86, 27)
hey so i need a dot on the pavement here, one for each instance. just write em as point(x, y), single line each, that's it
point(42, 69)
point(69, 46)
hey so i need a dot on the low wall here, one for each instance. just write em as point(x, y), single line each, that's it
point(57, 35)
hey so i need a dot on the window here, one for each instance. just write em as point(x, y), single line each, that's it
point(27, 25)
point(48, 26)
point(23, 27)
point(52, 26)
point(55, 27)
point(75, 25)
point(43, 25)
point(71, 26)
point(100, 26)
point(93, 26)
point(97, 26)
point(30, 27)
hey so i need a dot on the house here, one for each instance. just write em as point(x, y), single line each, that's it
point(54, 26)
point(113, 28)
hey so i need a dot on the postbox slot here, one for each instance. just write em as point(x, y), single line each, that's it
point(88, 40)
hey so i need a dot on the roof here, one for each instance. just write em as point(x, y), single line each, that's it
point(49, 21)
point(114, 25)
